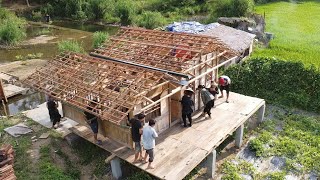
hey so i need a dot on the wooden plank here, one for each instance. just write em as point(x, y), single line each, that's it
point(179, 150)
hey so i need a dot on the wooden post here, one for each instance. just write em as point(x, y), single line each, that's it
point(239, 136)
point(261, 113)
point(2, 94)
point(211, 163)
point(217, 70)
point(4, 108)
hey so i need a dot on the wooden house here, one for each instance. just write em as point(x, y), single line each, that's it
point(139, 70)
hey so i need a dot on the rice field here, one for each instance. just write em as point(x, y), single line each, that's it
point(296, 29)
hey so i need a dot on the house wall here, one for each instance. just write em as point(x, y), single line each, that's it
point(163, 121)
point(121, 134)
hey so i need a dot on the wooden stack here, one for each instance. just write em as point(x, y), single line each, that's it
point(6, 163)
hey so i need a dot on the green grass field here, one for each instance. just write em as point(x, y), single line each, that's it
point(296, 27)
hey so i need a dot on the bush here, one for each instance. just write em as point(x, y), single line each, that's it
point(150, 20)
point(12, 29)
point(125, 10)
point(281, 82)
point(71, 45)
point(100, 9)
point(231, 8)
point(36, 16)
point(99, 38)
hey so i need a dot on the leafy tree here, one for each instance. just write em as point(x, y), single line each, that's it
point(230, 8)
point(150, 20)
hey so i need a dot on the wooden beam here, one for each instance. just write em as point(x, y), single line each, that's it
point(205, 62)
point(192, 80)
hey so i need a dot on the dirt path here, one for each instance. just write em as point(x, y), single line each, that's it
point(22, 69)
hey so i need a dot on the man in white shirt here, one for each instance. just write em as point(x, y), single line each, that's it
point(148, 139)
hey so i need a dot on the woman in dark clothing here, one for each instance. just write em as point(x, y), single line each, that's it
point(53, 112)
point(187, 106)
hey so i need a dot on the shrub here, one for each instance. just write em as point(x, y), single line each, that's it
point(100, 9)
point(150, 20)
point(36, 16)
point(12, 29)
point(99, 38)
point(281, 82)
point(125, 10)
point(230, 8)
point(71, 45)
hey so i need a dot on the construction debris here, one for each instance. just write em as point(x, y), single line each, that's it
point(6, 163)
point(18, 130)
point(44, 136)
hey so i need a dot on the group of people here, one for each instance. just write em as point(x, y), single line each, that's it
point(208, 96)
point(148, 134)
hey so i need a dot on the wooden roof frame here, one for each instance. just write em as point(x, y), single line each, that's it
point(79, 79)
point(130, 64)
point(179, 52)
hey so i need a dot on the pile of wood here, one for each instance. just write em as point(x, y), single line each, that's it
point(6, 163)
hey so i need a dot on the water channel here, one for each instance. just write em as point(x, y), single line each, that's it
point(43, 38)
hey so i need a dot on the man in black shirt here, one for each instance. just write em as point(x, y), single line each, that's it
point(136, 131)
point(92, 120)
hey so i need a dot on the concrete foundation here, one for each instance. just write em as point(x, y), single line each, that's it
point(211, 163)
point(116, 168)
point(239, 136)
point(261, 113)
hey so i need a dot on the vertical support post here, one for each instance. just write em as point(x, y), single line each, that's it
point(169, 104)
point(211, 163)
point(239, 136)
point(217, 70)
point(116, 167)
point(261, 113)
point(2, 94)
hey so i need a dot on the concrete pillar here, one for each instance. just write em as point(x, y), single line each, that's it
point(211, 163)
point(239, 136)
point(116, 168)
point(261, 113)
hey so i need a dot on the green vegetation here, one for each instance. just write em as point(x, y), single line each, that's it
point(296, 29)
point(150, 20)
point(99, 38)
point(139, 176)
point(29, 56)
point(150, 14)
point(47, 169)
point(12, 28)
point(281, 82)
point(296, 139)
point(230, 8)
point(71, 45)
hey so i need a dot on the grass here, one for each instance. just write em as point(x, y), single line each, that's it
point(297, 141)
point(70, 45)
point(23, 166)
point(296, 28)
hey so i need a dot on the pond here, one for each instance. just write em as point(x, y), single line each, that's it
point(49, 35)
point(43, 38)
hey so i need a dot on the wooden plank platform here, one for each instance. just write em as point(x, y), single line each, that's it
point(11, 90)
point(178, 149)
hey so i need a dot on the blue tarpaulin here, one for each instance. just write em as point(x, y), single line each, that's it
point(190, 27)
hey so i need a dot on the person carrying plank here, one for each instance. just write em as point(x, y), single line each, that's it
point(224, 84)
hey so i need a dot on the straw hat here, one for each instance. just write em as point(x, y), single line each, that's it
point(189, 89)
point(214, 84)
